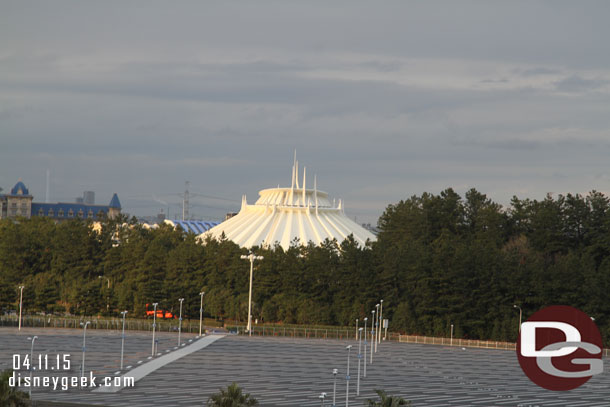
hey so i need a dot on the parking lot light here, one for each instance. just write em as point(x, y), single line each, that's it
point(180, 321)
point(201, 312)
point(31, 363)
point(84, 325)
point(349, 351)
point(123, 313)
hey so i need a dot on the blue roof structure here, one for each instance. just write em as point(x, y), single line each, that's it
point(194, 226)
point(20, 189)
point(114, 202)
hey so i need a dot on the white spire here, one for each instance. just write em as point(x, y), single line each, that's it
point(304, 172)
point(297, 174)
point(294, 165)
point(315, 190)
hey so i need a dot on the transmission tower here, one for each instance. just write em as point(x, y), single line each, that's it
point(185, 202)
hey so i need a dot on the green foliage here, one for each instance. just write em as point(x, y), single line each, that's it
point(387, 401)
point(439, 260)
point(232, 397)
point(10, 396)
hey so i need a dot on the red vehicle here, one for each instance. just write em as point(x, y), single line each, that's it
point(150, 311)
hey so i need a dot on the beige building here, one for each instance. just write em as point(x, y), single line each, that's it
point(17, 203)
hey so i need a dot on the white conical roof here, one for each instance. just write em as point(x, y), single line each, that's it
point(283, 214)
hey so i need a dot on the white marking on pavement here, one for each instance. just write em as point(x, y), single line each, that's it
point(144, 370)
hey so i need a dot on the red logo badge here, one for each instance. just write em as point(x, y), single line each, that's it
point(560, 348)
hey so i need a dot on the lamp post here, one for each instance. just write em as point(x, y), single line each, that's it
point(520, 314)
point(349, 351)
point(376, 325)
point(356, 328)
point(123, 313)
point(201, 311)
point(451, 340)
point(385, 323)
point(250, 257)
point(180, 321)
point(84, 345)
point(31, 363)
point(359, 357)
point(107, 298)
point(154, 327)
point(365, 319)
point(335, 372)
point(21, 287)
point(372, 333)
point(322, 397)
point(380, 321)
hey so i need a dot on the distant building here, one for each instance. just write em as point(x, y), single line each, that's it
point(286, 215)
point(89, 197)
point(19, 203)
point(191, 226)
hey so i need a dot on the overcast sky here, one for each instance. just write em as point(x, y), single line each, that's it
point(381, 100)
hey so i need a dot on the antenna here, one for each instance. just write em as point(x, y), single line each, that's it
point(185, 202)
point(46, 198)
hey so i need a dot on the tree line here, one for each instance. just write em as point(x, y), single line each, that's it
point(439, 260)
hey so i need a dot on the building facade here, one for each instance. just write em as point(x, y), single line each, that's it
point(19, 203)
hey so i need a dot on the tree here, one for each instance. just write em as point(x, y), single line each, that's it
point(232, 397)
point(10, 396)
point(387, 401)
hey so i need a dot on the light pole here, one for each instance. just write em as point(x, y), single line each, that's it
point(385, 323)
point(201, 312)
point(322, 397)
point(359, 357)
point(154, 327)
point(84, 345)
point(123, 313)
point(451, 340)
point(372, 333)
point(335, 372)
point(376, 325)
point(32, 363)
point(349, 351)
point(250, 257)
point(380, 320)
point(365, 319)
point(356, 328)
point(107, 297)
point(520, 314)
point(180, 321)
point(21, 287)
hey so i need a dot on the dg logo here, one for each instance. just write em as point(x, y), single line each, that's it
point(560, 348)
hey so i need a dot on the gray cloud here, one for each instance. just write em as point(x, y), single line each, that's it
point(576, 83)
point(381, 102)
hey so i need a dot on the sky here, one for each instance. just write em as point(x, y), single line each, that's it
point(381, 100)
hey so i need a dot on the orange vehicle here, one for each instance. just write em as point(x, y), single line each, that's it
point(150, 311)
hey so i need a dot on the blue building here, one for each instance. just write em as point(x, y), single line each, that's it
point(20, 203)
point(192, 226)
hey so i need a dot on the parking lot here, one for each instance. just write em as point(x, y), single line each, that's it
point(293, 372)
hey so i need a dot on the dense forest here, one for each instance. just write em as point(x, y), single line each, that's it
point(439, 260)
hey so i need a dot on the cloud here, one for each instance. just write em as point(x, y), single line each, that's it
point(381, 102)
point(575, 83)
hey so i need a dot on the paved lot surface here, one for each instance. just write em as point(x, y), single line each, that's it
point(288, 372)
